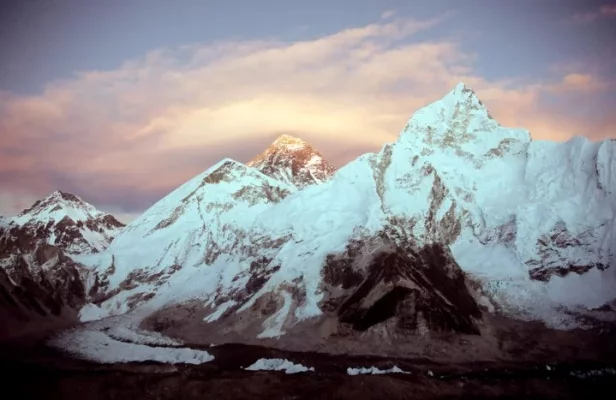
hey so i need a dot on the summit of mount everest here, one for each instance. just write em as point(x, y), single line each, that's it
point(292, 160)
point(457, 220)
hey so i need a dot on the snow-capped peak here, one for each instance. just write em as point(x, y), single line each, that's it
point(294, 161)
point(464, 99)
point(289, 141)
point(65, 220)
point(461, 90)
point(56, 207)
point(458, 131)
point(459, 117)
point(462, 94)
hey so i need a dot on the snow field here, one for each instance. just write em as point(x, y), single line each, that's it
point(277, 364)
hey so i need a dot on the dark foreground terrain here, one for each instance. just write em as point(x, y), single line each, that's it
point(37, 372)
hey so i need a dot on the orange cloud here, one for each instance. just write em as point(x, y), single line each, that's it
point(580, 83)
point(160, 119)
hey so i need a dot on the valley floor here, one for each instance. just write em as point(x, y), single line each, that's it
point(38, 372)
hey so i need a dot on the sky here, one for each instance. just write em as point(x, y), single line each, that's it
point(121, 102)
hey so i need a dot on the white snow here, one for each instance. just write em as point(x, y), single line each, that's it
point(274, 323)
point(98, 347)
point(55, 207)
point(91, 312)
point(593, 373)
point(125, 333)
point(375, 371)
point(219, 311)
point(314, 161)
point(278, 364)
point(125, 328)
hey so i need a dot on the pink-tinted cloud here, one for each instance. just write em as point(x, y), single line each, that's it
point(123, 138)
point(580, 83)
point(603, 12)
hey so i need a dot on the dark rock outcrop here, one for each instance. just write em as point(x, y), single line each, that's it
point(421, 289)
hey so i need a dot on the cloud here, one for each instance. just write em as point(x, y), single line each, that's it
point(603, 12)
point(579, 83)
point(124, 138)
point(388, 14)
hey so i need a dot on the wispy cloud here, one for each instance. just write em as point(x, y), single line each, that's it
point(603, 12)
point(123, 138)
point(388, 14)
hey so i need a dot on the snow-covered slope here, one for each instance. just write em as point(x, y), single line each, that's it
point(200, 223)
point(293, 161)
point(384, 243)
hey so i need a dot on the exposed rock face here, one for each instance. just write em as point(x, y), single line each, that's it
point(41, 284)
point(553, 259)
point(45, 282)
point(292, 160)
point(423, 290)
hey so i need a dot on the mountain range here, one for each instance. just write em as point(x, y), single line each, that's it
point(460, 219)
